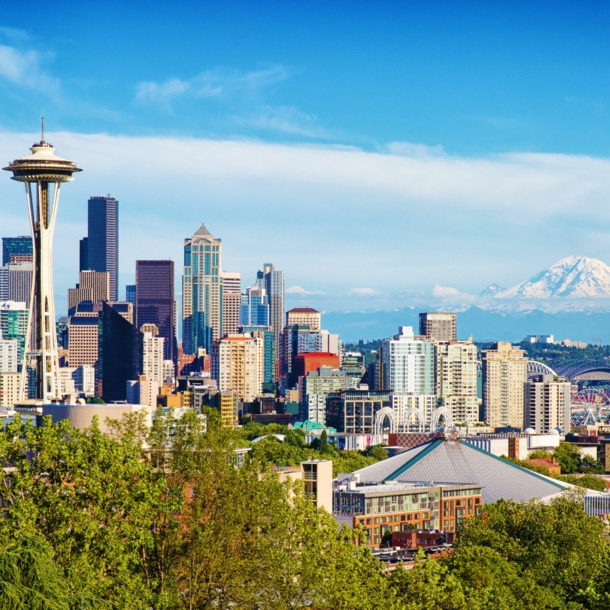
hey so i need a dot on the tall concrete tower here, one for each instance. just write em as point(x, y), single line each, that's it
point(45, 172)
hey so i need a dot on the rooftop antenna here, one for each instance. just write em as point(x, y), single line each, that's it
point(599, 343)
point(42, 131)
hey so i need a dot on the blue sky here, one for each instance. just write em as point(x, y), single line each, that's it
point(371, 150)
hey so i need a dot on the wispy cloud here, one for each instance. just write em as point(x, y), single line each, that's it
point(217, 83)
point(299, 290)
point(365, 292)
point(287, 119)
point(24, 69)
point(15, 35)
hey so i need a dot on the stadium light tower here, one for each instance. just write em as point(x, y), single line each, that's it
point(45, 171)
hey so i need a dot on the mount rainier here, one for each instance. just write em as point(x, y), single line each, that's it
point(574, 277)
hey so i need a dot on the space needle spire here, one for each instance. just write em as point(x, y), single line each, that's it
point(42, 172)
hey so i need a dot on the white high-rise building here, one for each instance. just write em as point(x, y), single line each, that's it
point(330, 342)
point(547, 404)
point(407, 363)
point(9, 355)
point(456, 380)
point(152, 357)
point(10, 386)
point(231, 299)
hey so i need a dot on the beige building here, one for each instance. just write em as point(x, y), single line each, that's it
point(81, 416)
point(304, 316)
point(317, 477)
point(547, 404)
point(504, 376)
point(92, 286)
point(238, 365)
point(438, 326)
point(152, 354)
point(456, 380)
point(83, 340)
point(231, 299)
point(9, 388)
point(142, 391)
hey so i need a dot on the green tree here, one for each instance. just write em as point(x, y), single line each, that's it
point(588, 481)
point(568, 457)
point(589, 465)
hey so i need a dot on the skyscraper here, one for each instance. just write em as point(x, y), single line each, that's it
point(201, 291)
point(103, 239)
point(274, 286)
point(504, 377)
point(231, 295)
point(440, 327)
point(155, 300)
point(17, 250)
point(14, 324)
point(130, 293)
point(408, 363)
point(83, 254)
point(254, 308)
point(93, 286)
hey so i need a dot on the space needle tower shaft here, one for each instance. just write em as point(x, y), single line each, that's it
point(42, 173)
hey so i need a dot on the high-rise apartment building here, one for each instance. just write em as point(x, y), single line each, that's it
point(231, 298)
point(17, 250)
point(304, 316)
point(10, 389)
point(155, 300)
point(547, 404)
point(439, 327)
point(504, 376)
point(407, 362)
point(238, 365)
point(103, 239)
point(9, 355)
point(201, 291)
point(152, 354)
point(92, 286)
point(274, 286)
point(456, 380)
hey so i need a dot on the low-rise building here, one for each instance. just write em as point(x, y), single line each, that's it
point(384, 508)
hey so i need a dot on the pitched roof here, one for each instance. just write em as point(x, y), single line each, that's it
point(303, 310)
point(459, 462)
point(202, 231)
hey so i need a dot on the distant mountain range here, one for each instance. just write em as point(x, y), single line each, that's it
point(572, 277)
point(570, 299)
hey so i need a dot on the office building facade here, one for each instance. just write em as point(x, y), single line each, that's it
point(274, 287)
point(155, 300)
point(304, 316)
point(201, 291)
point(504, 377)
point(254, 307)
point(231, 298)
point(103, 239)
point(437, 326)
point(17, 250)
point(14, 324)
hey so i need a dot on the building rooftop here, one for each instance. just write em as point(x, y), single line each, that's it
point(302, 310)
point(396, 487)
point(458, 462)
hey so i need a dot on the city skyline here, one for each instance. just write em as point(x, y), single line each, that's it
point(474, 151)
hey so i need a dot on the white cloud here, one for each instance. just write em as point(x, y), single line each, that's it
point(444, 291)
point(332, 218)
point(300, 290)
point(23, 68)
point(15, 35)
point(218, 83)
point(287, 119)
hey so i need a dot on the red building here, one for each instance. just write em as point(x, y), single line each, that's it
point(312, 361)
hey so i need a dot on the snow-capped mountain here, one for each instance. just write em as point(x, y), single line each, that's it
point(573, 277)
point(492, 290)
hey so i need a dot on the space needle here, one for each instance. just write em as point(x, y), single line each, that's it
point(45, 172)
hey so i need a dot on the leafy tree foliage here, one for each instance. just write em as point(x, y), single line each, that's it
point(568, 457)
